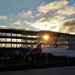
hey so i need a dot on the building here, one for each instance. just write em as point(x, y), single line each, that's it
point(16, 38)
point(11, 38)
point(35, 48)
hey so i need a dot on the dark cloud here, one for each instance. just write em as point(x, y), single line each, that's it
point(69, 23)
point(71, 29)
point(68, 26)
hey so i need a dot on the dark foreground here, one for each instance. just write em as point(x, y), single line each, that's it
point(14, 62)
point(46, 71)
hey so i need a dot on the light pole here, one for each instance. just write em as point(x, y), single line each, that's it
point(46, 37)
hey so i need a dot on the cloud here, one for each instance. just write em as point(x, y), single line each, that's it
point(52, 19)
point(52, 23)
point(45, 8)
point(18, 27)
point(59, 21)
point(51, 16)
point(3, 17)
point(70, 30)
point(37, 15)
point(70, 22)
point(68, 26)
point(56, 23)
point(43, 20)
point(25, 14)
point(21, 22)
point(17, 23)
point(22, 25)
point(30, 24)
point(27, 22)
point(67, 10)
point(3, 27)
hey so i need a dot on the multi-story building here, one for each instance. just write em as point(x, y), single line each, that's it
point(16, 38)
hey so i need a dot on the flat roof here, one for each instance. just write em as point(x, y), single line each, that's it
point(29, 32)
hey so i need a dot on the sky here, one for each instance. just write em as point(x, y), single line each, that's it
point(53, 15)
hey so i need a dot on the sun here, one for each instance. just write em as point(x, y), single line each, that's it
point(45, 37)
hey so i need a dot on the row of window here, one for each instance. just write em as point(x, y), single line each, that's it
point(17, 46)
point(17, 40)
point(17, 35)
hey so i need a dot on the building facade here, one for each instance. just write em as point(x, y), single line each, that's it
point(15, 38)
